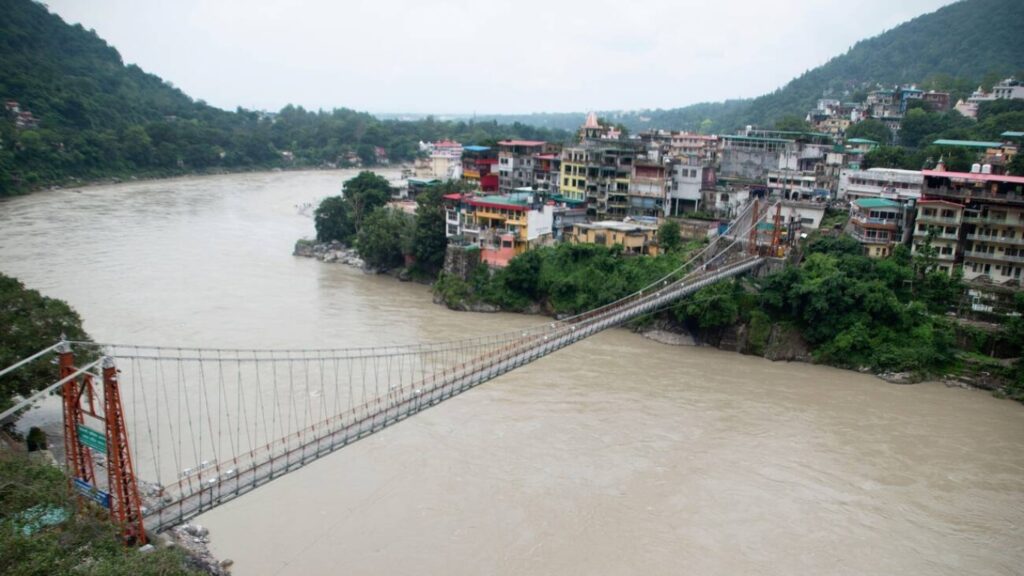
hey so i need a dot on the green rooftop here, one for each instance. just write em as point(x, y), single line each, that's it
point(569, 201)
point(968, 143)
point(876, 203)
point(517, 200)
point(1012, 134)
point(860, 141)
point(755, 139)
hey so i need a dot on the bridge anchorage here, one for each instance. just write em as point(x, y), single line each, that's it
point(180, 431)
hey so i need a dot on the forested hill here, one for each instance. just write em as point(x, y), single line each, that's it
point(954, 48)
point(86, 115)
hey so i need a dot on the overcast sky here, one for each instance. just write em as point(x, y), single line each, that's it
point(484, 56)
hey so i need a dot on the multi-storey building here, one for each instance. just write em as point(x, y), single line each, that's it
point(969, 108)
point(648, 189)
point(750, 156)
point(598, 172)
point(635, 237)
point(902, 186)
point(479, 167)
point(938, 223)
point(516, 162)
point(547, 173)
point(877, 223)
point(502, 226)
point(446, 160)
point(936, 101)
point(1009, 89)
point(983, 215)
point(686, 185)
point(792, 184)
point(702, 148)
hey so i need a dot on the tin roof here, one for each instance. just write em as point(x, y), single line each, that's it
point(968, 143)
point(876, 203)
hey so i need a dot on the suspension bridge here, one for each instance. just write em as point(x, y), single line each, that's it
point(209, 425)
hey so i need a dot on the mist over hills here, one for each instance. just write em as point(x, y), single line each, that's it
point(955, 48)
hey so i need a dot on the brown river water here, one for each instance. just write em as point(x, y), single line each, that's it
point(617, 455)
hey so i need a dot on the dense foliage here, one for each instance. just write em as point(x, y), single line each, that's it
point(870, 129)
point(669, 238)
point(920, 128)
point(84, 543)
point(563, 279)
point(856, 311)
point(853, 311)
point(385, 238)
point(429, 238)
point(100, 118)
point(30, 322)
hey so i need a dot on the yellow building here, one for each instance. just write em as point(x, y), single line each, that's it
point(634, 237)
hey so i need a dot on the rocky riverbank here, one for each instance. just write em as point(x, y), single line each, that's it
point(329, 252)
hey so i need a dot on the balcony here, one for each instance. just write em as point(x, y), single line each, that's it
point(938, 235)
point(954, 221)
point(974, 219)
point(883, 223)
point(996, 239)
point(974, 193)
point(865, 239)
point(994, 257)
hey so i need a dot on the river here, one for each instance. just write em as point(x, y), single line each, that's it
point(617, 455)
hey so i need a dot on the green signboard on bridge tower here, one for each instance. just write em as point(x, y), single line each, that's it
point(93, 439)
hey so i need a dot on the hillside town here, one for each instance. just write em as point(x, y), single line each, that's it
point(612, 189)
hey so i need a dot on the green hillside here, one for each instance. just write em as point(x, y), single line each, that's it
point(956, 47)
point(98, 118)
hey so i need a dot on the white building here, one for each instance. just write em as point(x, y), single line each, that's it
point(445, 159)
point(890, 183)
point(791, 184)
point(1008, 89)
point(684, 193)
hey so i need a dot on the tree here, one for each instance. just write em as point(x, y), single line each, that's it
point(382, 238)
point(870, 129)
point(31, 322)
point(430, 240)
point(792, 123)
point(1016, 166)
point(716, 306)
point(887, 157)
point(669, 236)
point(365, 193)
point(333, 221)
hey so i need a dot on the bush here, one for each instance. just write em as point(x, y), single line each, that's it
point(36, 440)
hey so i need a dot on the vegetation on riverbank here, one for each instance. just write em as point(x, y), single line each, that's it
point(43, 530)
point(851, 311)
point(31, 322)
point(387, 238)
point(80, 540)
point(561, 279)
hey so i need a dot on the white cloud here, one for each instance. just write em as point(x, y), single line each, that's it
point(468, 55)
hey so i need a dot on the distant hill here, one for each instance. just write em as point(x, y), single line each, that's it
point(956, 47)
point(86, 115)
